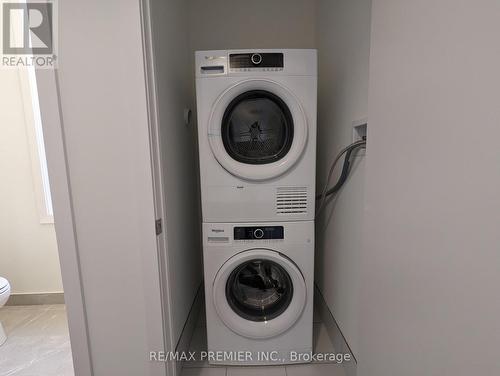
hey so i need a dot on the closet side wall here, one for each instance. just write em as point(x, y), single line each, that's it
point(175, 92)
point(343, 32)
point(430, 302)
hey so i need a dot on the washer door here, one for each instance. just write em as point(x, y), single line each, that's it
point(259, 293)
point(257, 129)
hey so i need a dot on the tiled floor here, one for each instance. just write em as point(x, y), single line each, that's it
point(38, 344)
point(38, 341)
point(321, 344)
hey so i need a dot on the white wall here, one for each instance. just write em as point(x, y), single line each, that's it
point(28, 249)
point(105, 128)
point(175, 92)
point(343, 32)
point(431, 263)
point(226, 24)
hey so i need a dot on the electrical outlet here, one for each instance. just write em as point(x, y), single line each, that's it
point(359, 131)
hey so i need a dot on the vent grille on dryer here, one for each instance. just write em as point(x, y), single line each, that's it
point(291, 200)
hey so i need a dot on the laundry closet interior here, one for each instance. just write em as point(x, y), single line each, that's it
point(340, 33)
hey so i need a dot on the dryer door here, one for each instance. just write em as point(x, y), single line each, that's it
point(257, 129)
point(259, 293)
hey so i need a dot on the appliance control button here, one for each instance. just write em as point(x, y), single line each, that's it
point(256, 59)
point(258, 233)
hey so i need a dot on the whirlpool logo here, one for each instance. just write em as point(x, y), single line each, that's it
point(217, 230)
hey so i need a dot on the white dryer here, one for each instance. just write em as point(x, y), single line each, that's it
point(257, 134)
point(259, 292)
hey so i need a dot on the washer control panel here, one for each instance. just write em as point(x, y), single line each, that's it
point(258, 233)
point(247, 62)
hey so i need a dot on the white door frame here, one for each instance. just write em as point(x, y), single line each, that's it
point(53, 128)
point(152, 100)
point(60, 185)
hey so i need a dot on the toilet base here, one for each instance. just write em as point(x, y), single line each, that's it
point(3, 335)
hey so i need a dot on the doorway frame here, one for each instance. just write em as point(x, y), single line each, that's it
point(171, 368)
point(60, 185)
point(51, 112)
point(64, 219)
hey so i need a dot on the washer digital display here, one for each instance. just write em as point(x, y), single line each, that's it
point(258, 232)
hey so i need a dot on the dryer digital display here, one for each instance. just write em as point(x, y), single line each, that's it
point(256, 60)
point(258, 233)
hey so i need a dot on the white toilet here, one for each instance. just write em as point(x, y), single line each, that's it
point(4, 296)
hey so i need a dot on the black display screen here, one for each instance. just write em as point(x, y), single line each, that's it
point(256, 60)
point(258, 233)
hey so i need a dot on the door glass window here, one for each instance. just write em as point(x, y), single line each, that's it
point(257, 128)
point(259, 290)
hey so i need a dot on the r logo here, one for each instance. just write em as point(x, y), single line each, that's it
point(27, 28)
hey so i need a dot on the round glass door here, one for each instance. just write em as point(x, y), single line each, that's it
point(259, 290)
point(259, 293)
point(257, 128)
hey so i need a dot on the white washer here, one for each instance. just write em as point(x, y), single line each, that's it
point(257, 134)
point(259, 291)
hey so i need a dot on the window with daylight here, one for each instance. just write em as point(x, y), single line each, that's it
point(36, 143)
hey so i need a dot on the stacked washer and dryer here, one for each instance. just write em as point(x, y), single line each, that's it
point(257, 147)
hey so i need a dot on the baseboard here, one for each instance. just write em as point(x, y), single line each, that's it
point(36, 299)
point(189, 326)
point(339, 342)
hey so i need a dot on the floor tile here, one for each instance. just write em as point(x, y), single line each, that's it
point(321, 344)
point(13, 317)
point(315, 370)
point(58, 363)
point(50, 322)
point(57, 307)
point(256, 371)
point(204, 371)
point(200, 364)
point(37, 341)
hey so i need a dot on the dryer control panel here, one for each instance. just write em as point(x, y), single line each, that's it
point(257, 233)
point(265, 61)
point(256, 62)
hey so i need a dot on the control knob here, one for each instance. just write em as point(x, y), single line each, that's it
point(258, 233)
point(256, 59)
